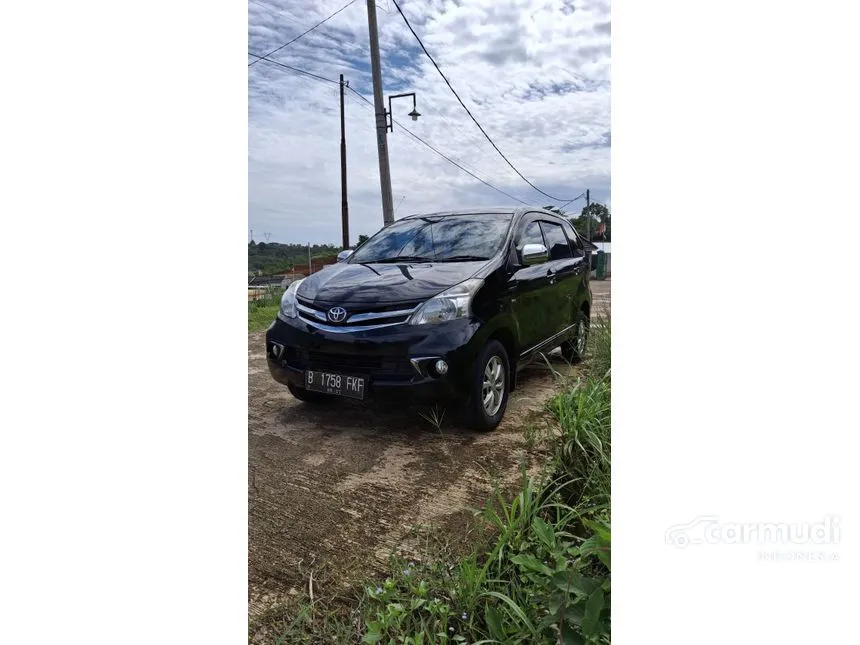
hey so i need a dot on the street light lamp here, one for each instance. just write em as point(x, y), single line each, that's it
point(414, 113)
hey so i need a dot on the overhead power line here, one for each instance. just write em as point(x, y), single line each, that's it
point(449, 160)
point(412, 134)
point(469, 112)
point(293, 69)
point(441, 154)
point(302, 34)
point(580, 196)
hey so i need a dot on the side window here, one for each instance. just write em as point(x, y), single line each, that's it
point(556, 241)
point(575, 240)
point(531, 235)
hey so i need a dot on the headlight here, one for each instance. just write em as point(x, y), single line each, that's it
point(288, 300)
point(454, 303)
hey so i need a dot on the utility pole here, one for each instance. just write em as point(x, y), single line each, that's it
point(344, 207)
point(310, 270)
point(588, 211)
point(381, 120)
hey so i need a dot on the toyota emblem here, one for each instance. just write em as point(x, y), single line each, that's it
point(337, 314)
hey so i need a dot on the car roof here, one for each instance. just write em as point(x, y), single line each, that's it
point(503, 210)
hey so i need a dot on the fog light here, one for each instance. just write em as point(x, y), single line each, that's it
point(441, 367)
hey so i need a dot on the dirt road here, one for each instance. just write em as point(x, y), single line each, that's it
point(335, 489)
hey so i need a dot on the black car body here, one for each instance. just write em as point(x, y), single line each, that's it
point(489, 290)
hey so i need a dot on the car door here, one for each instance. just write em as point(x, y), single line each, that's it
point(529, 286)
point(566, 268)
point(580, 250)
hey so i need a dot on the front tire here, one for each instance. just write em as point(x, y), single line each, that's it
point(490, 384)
point(306, 396)
point(573, 350)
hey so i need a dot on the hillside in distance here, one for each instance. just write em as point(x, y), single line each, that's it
point(274, 257)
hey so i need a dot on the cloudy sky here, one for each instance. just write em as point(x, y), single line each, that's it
point(535, 73)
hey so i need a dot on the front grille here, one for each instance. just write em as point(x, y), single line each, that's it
point(358, 316)
point(377, 366)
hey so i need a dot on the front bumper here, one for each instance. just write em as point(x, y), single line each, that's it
point(396, 361)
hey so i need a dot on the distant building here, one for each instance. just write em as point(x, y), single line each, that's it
point(264, 281)
point(317, 264)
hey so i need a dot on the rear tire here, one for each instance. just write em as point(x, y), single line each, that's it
point(573, 350)
point(306, 396)
point(490, 384)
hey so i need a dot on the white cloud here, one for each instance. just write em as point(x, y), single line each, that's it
point(534, 73)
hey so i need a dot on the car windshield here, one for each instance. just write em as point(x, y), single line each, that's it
point(455, 238)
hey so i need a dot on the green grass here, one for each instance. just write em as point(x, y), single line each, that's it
point(600, 346)
point(583, 457)
point(263, 311)
point(538, 571)
point(543, 578)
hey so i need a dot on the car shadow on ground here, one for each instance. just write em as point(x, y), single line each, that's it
point(536, 383)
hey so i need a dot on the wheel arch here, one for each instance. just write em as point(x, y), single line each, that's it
point(506, 337)
point(585, 307)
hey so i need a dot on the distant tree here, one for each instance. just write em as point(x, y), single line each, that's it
point(588, 222)
point(362, 239)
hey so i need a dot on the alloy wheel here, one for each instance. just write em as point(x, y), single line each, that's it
point(493, 385)
point(581, 336)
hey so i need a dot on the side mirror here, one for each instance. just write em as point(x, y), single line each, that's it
point(344, 255)
point(534, 254)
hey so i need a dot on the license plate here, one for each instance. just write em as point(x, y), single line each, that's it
point(339, 384)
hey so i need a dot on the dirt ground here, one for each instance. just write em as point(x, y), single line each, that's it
point(334, 490)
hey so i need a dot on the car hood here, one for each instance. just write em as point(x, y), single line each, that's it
point(362, 284)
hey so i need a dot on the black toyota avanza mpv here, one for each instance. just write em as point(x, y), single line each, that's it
point(434, 308)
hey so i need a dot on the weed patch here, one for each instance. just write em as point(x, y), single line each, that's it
point(262, 312)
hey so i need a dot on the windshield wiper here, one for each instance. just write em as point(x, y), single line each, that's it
point(463, 258)
point(404, 258)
